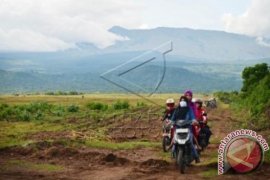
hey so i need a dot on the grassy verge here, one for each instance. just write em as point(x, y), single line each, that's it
point(30, 166)
point(210, 173)
point(14, 133)
point(122, 145)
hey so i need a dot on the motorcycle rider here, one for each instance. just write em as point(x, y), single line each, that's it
point(167, 125)
point(170, 107)
point(184, 112)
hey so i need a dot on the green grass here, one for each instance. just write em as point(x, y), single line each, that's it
point(22, 164)
point(122, 145)
point(267, 156)
point(215, 140)
point(211, 158)
point(165, 155)
point(211, 173)
point(14, 133)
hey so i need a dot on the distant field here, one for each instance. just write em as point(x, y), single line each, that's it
point(82, 99)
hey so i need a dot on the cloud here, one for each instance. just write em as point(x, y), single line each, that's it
point(25, 40)
point(52, 25)
point(255, 21)
point(261, 41)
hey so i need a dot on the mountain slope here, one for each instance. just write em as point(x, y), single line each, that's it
point(176, 80)
point(201, 44)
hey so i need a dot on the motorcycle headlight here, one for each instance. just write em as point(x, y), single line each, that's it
point(182, 135)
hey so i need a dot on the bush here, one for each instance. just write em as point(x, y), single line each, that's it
point(227, 97)
point(140, 104)
point(257, 99)
point(24, 112)
point(253, 75)
point(73, 93)
point(58, 110)
point(254, 97)
point(3, 115)
point(73, 108)
point(97, 106)
point(121, 105)
point(39, 115)
point(24, 116)
point(49, 93)
point(3, 106)
point(38, 106)
point(61, 93)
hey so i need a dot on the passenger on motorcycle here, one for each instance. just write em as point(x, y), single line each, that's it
point(189, 94)
point(201, 117)
point(184, 112)
point(200, 113)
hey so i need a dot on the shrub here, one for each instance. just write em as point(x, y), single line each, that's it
point(38, 115)
point(253, 75)
point(58, 110)
point(3, 106)
point(227, 97)
point(97, 106)
point(49, 93)
point(73, 108)
point(121, 105)
point(3, 115)
point(73, 93)
point(38, 106)
point(61, 93)
point(140, 104)
point(24, 116)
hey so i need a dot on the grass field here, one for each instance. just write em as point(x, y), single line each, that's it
point(41, 134)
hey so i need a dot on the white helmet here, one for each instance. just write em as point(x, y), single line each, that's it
point(170, 101)
point(196, 100)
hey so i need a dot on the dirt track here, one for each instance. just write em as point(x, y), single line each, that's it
point(142, 163)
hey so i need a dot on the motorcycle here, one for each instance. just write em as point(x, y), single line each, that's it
point(204, 135)
point(201, 133)
point(182, 144)
point(167, 134)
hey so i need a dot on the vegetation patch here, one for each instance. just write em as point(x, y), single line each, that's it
point(122, 145)
point(31, 166)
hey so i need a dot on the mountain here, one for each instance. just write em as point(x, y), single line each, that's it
point(200, 44)
point(202, 60)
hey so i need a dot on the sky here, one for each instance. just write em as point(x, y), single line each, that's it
point(55, 25)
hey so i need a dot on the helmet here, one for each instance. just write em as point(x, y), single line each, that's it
point(188, 92)
point(194, 100)
point(170, 101)
point(198, 101)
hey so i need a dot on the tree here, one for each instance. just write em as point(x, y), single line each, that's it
point(253, 75)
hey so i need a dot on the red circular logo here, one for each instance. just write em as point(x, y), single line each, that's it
point(244, 155)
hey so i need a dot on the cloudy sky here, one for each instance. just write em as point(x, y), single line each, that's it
point(53, 25)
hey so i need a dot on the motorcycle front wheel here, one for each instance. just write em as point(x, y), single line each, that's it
point(165, 143)
point(181, 160)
